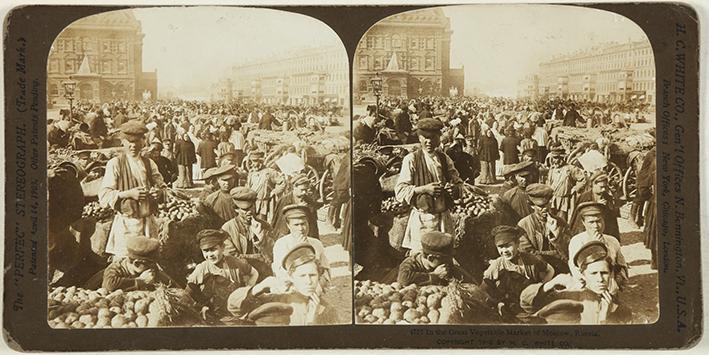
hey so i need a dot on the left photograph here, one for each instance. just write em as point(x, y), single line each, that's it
point(198, 170)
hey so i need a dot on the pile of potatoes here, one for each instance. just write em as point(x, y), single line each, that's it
point(74, 308)
point(176, 209)
point(94, 209)
point(472, 205)
point(391, 204)
point(378, 303)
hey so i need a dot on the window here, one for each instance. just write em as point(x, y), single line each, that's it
point(396, 41)
point(106, 67)
point(54, 66)
point(105, 46)
point(364, 62)
point(363, 85)
point(369, 42)
point(377, 63)
point(414, 63)
point(122, 69)
point(121, 47)
point(69, 46)
point(429, 63)
point(378, 42)
point(414, 43)
point(60, 45)
point(53, 90)
point(430, 43)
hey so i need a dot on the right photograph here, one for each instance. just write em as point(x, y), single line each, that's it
point(504, 168)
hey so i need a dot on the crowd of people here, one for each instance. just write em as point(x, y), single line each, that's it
point(264, 260)
point(559, 254)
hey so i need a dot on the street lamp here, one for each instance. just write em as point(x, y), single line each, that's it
point(69, 89)
point(376, 82)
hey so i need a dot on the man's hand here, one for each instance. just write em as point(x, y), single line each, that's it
point(559, 282)
point(136, 193)
point(433, 188)
point(441, 271)
point(553, 226)
point(265, 284)
point(148, 276)
point(597, 236)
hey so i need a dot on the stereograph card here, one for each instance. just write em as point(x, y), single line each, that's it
point(289, 177)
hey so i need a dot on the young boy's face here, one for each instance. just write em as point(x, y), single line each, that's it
point(305, 278)
point(593, 224)
point(597, 276)
point(213, 254)
point(298, 226)
point(431, 261)
point(507, 249)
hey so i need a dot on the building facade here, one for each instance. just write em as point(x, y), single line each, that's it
point(103, 54)
point(411, 53)
point(611, 73)
point(305, 77)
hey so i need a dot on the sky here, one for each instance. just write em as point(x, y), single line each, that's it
point(500, 44)
point(194, 47)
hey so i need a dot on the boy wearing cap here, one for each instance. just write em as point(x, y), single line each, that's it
point(300, 305)
point(558, 301)
point(300, 195)
point(433, 265)
point(513, 270)
point(296, 217)
point(220, 201)
point(137, 271)
point(566, 180)
point(427, 180)
point(215, 278)
point(601, 194)
point(130, 185)
point(249, 235)
point(545, 234)
point(591, 216)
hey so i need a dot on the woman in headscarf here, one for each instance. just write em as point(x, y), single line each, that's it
point(185, 156)
point(488, 155)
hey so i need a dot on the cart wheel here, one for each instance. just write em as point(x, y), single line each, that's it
point(615, 178)
point(313, 176)
point(630, 184)
point(326, 187)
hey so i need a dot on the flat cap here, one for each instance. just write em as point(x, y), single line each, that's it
point(589, 209)
point(557, 151)
point(590, 252)
point(133, 128)
point(521, 168)
point(504, 234)
point(256, 155)
point(142, 248)
point(300, 254)
point(209, 238)
point(429, 126)
point(295, 211)
point(539, 194)
point(243, 197)
point(437, 243)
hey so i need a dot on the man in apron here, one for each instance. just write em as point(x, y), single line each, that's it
point(426, 181)
point(131, 186)
point(263, 181)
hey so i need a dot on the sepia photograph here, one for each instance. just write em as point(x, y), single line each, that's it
point(198, 170)
point(504, 168)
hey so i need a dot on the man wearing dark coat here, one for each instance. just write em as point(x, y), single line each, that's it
point(572, 117)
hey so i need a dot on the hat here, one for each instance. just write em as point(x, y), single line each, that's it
point(557, 151)
point(256, 155)
point(599, 175)
point(224, 170)
point(429, 126)
point(301, 179)
point(539, 194)
point(243, 197)
point(209, 238)
point(590, 252)
point(209, 173)
point(437, 243)
point(142, 248)
point(589, 209)
point(504, 234)
point(519, 168)
point(300, 254)
point(295, 211)
point(133, 130)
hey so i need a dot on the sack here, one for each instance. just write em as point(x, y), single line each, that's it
point(432, 204)
point(397, 231)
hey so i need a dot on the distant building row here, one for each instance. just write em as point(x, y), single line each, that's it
point(309, 76)
point(613, 73)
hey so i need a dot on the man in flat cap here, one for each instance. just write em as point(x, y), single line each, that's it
point(428, 181)
point(545, 234)
point(215, 278)
point(512, 271)
point(220, 201)
point(249, 235)
point(167, 168)
point(131, 185)
point(591, 216)
point(601, 194)
point(516, 197)
point(566, 180)
point(296, 218)
point(137, 271)
point(433, 265)
point(468, 166)
point(301, 304)
point(265, 181)
point(559, 301)
point(300, 194)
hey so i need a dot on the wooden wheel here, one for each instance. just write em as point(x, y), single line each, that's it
point(313, 177)
point(615, 178)
point(326, 187)
point(630, 183)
